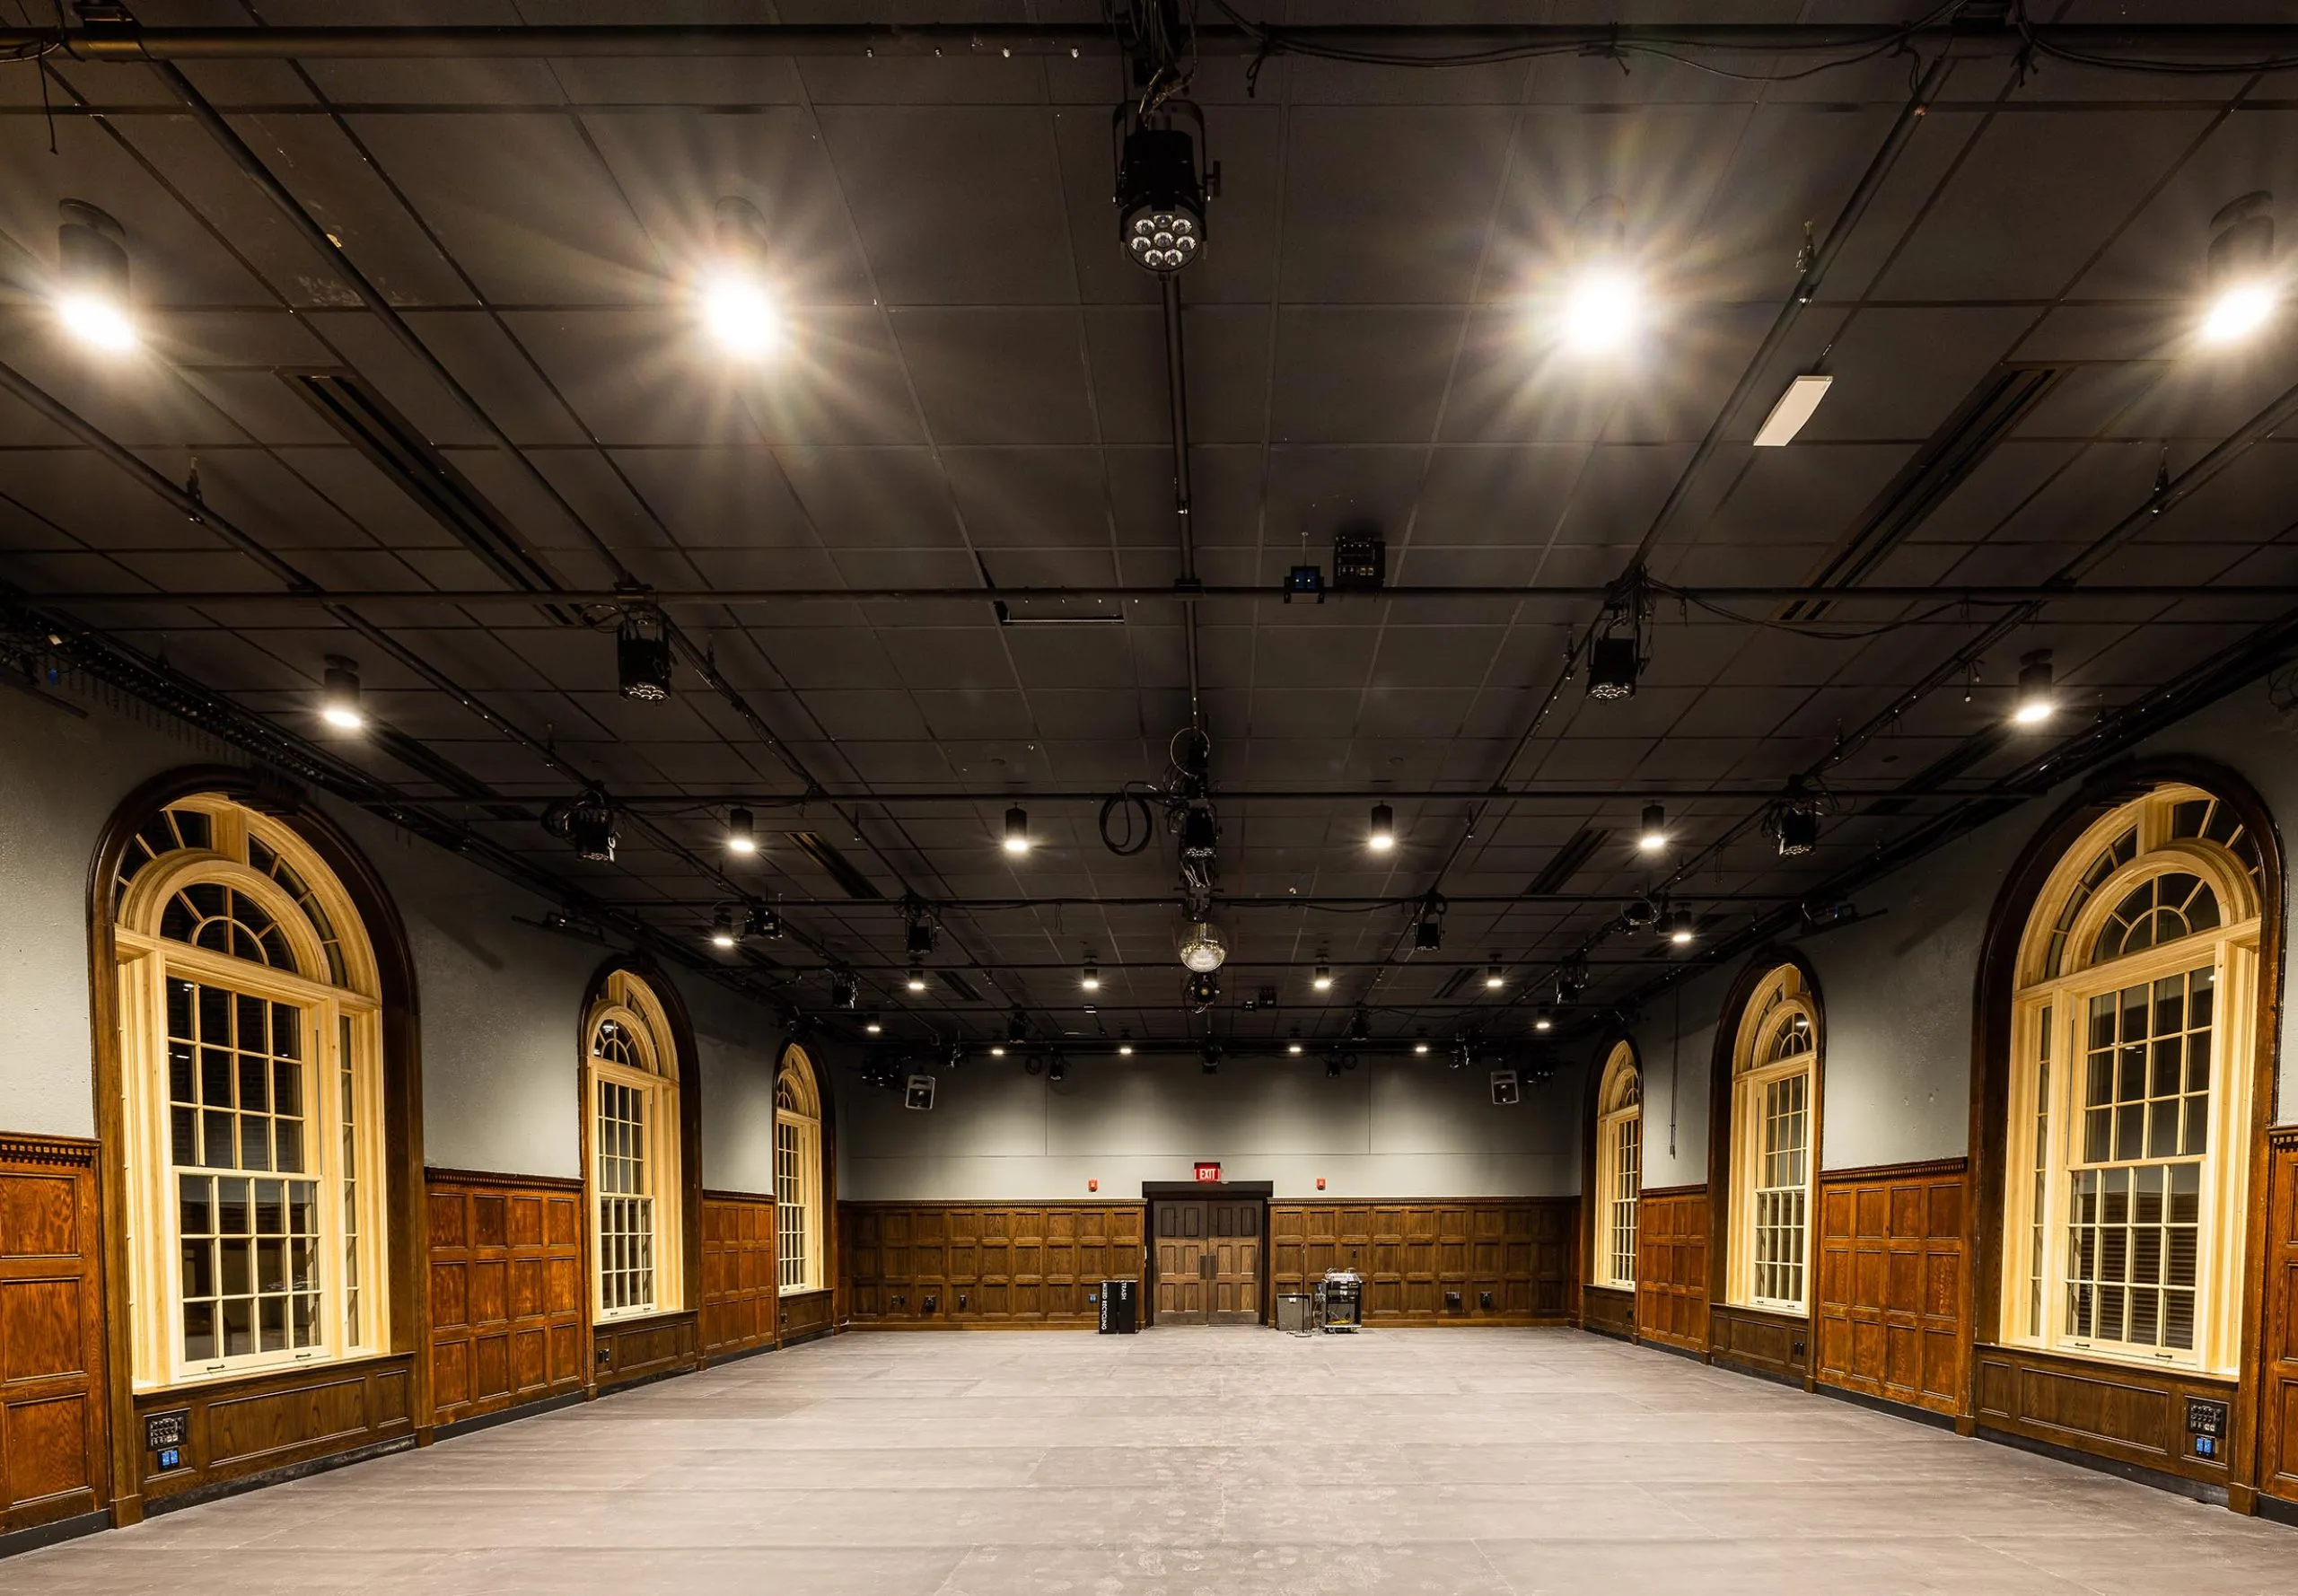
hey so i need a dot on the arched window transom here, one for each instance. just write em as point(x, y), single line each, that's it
point(798, 1173)
point(1620, 1167)
point(2123, 1209)
point(251, 1053)
point(631, 1081)
point(1776, 1062)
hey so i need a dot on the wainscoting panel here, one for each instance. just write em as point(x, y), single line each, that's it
point(506, 1291)
point(2279, 1358)
point(1890, 1284)
point(737, 1279)
point(1499, 1260)
point(1776, 1344)
point(804, 1315)
point(976, 1265)
point(1608, 1309)
point(239, 1427)
point(2130, 1415)
point(627, 1350)
point(1672, 1268)
point(53, 1463)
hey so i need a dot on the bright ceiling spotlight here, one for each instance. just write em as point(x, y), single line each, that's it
point(2037, 697)
point(1795, 407)
point(1322, 980)
point(997, 1049)
point(1653, 834)
point(738, 307)
point(1381, 836)
point(2238, 270)
point(642, 656)
point(916, 982)
point(872, 1025)
point(1160, 200)
point(742, 831)
point(1604, 308)
point(1125, 1050)
point(1017, 830)
point(725, 934)
point(92, 278)
point(1494, 978)
point(1543, 1020)
point(1292, 1047)
point(1202, 949)
point(1420, 1048)
point(1090, 977)
point(1680, 928)
point(339, 705)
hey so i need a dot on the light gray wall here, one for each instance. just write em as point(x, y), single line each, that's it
point(500, 1001)
point(1898, 990)
point(1391, 1128)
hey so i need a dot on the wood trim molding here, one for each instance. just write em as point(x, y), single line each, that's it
point(1921, 1168)
point(2282, 1138)
point(2003, 1380)
point(64, 1153)
point(1662, 1193)
point(391, 1400)
point(714, 1195)
point(436, 1175)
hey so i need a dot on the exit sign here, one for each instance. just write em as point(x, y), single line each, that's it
point(1209, 1174)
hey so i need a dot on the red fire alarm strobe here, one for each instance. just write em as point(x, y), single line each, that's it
point(1092, 1186)
point(1210, 1173)
point(1321, 1182)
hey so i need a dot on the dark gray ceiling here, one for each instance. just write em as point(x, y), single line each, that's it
point(976, 395)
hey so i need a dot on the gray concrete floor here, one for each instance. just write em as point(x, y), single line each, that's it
point(1236, 1461)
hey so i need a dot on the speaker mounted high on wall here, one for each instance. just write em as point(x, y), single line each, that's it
point(1507, 1088)
point(917, 1093)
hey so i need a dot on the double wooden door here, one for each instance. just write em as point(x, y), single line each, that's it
point(1208, 1262)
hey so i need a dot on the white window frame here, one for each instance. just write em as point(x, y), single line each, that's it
point(145, 964)
point(1620, 1170)
point(798, 1174)
point(630, 1003)
point(1778, 999)
point(2044, 1106)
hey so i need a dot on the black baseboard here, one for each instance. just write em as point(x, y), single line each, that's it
point(1884, 1404)
point(711, 1360)
point(2277, 1509)
point(273, 1476)
point(50, 1534)
point(1674, 1352)
point(2176, 1484)
point(503, 1416)
point(1794, 1382)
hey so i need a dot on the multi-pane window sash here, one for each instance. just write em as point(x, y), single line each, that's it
point(1627, 1156)
point(1782, 1193)
point(2129, 1101)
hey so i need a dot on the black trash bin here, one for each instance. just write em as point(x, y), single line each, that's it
point(1121, 1310)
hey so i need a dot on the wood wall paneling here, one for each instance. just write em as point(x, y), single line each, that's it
point(1890, 1282)
point(2278, 1355)
point(1672, 1268)
point(241, 1427)
point(1507, 1260)
point(2125, 1413)
point(804, 1315)
point(626, 1350)
point(505, 1259)
point(1607, 1308)
point(1757, 1339)
point(984, 1264)
point(53, 1461)
point(739, 1287)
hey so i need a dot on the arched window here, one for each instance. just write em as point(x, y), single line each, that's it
point(2129, 1095)
point(631, 1088)
point(1620, 1167)
point(251, 1067)
point(798, 1173)
point(1774, 1093)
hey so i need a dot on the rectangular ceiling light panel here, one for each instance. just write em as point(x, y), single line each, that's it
point(1793, 410)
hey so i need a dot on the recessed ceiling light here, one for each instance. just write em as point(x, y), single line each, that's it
point(738, 307)
point(1653, 834)
point(1793, 410)
point(91, 272)
point(2037, 697)
point(1605, 310)
point(2238, 313)
point(2238, 270)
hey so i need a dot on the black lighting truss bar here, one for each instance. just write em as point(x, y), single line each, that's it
point(1412, 902)
point(497, 597)
point(891, 797)
point(1376, 45)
